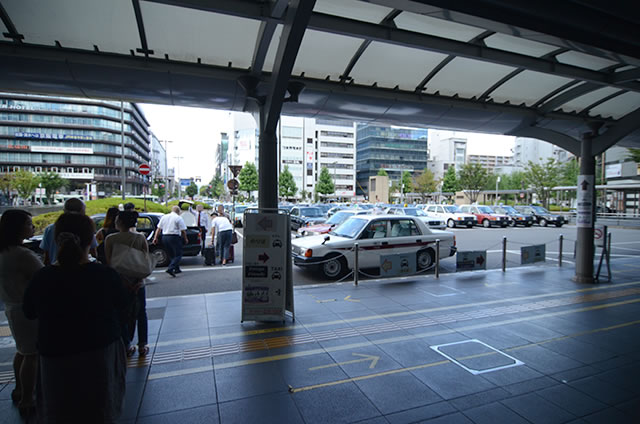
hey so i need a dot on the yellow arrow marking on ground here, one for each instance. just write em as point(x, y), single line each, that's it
point(374, 360)
point(326, 300)
point(348, 299)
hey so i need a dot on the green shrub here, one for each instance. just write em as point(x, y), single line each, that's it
point(185, 206)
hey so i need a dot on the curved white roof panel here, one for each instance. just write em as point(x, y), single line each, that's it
point(481, 66)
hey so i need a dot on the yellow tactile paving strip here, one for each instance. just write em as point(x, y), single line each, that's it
point(364, 330)
point(5, 331)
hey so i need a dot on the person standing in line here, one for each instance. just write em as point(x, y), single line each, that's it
point(48, 243)
point(17, 266)
point(203, 223)
point(223, 228)
point(173, 231)
point(77, 303)
point(108, 227)
point(136, 309)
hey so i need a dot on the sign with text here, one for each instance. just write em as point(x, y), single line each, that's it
point(471, 260)
point(600, 235)
point(397, 265)
point(264, 266)
point(584, 213)
point(532, 254)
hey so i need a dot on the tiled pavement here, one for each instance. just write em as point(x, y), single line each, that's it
point(528, 346)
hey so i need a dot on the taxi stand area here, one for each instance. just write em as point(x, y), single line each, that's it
point(526, 346)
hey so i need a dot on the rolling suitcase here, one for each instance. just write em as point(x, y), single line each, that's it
point(232, 254)
point(210, 256)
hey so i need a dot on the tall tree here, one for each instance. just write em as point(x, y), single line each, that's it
point(325, 183)
point(192, 189)
point(634, 155)
point(217, 186)
point(569, 173)
point(25, 182)
point(472, 178)
point(51, 181)
point(407, 184)
point(205, 191)
point(159, 188)
point(542, 178)
point(425, 183)
point(450, 181)
point(6, 184)
point(248, 178)
point(382, 172)
point(287, 185)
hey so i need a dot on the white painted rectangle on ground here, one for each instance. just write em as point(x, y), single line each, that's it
point(397, 265)
point(471, 260)
point(515, 362)
point(532, 254)
point(264, 267)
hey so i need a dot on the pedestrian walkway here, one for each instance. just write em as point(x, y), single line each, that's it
point(527, 346)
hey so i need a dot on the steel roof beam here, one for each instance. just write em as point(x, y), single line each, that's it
point(569, 95)
point(616, 132)
point(625, 76)
point(140, 22)
point(13, 32)
point(566, 142)
point(586, 110)
point(265, 35)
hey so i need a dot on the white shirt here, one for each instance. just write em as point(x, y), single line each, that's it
point(204, 218)
point(221, 223)
point(172, 224)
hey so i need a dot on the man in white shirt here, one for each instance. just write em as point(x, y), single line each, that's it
point(174, 232)
point(202, 222)
point(222, 226)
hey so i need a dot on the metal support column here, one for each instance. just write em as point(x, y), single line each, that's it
point(584, 242)
point(268, 171)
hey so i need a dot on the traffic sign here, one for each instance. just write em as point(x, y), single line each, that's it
point(144, 169)
point(235, 169)
point(233, 184)
point(471, 260)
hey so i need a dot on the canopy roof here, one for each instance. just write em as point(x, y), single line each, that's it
point(483, 66)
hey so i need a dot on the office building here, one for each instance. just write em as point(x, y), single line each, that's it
point(290, 135)
point(80, 139)
point(537, 151)
point(394, 149)
point(334, 142)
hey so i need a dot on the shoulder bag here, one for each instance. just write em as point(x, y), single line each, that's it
point(132, 262)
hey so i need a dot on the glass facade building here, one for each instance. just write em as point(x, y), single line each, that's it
point(78, 138)
point(394, 149)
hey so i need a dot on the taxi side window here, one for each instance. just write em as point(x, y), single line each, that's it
point(376, 229)
point(294, 211)
point(404, 228)
point(431, 209)
point(144, 224)
point(440, 210)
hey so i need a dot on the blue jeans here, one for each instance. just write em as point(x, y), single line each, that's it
point(173, 245)
point(225, 242)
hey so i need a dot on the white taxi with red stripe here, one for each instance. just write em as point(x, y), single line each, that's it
point(376, 235)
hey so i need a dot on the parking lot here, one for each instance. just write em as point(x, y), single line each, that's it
point(199, 279)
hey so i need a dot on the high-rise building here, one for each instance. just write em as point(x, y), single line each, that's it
point(445, 152)
point(394, 149)
point(290, 135)
point(334, 142)
point(537, 151)
point(80, 139)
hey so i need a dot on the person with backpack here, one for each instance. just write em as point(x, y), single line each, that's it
point(118, 244)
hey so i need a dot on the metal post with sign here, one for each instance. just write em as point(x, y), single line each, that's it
point(145, 170)
point(601, 238)
point(267, 289)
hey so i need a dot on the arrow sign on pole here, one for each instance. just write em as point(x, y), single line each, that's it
point(585, 185)
point(374, 361)
point(263, 257)
point(265, 224)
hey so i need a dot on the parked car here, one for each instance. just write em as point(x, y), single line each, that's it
point(377, 235)
point(515, 218)
point(239, 215)
point(541, 216)
point(334, 209)
point(486, 216)
point(304, 216)
point(337, 219)
point(452, 215)
point(432, 222)
point(147, 224)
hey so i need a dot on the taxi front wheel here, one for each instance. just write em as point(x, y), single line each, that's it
point(334, 267)
point(425, 259)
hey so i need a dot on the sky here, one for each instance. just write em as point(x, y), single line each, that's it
point(195, 133)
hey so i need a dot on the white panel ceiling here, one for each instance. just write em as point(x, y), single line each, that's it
point(77, 24)
point(438, 27)
point(584, 60)
point(353, 9)
point(579, 103)
point(467, 77)
point(518, 45)
point(618, 106)
point(528, 87)
point(390, 65)
point(323, 54)
point(189, 34)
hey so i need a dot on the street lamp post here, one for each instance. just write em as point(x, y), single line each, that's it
point(178, 175)
point(497, 182)
point(166, 173)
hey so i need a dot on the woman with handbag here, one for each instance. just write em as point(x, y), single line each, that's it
point(128, 253)
point(82, 367)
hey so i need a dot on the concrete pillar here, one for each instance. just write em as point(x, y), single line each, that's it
point(268, 170)
point(584, 247)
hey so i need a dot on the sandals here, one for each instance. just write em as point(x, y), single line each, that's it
point(131, 350)
point(143, 350)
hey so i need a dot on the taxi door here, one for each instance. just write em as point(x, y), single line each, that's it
point(372, 243)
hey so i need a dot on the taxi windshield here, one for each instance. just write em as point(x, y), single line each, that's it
point(414, 212)
point(339, 218)
point(350, 228)
point(485, 209)
point(452, 209)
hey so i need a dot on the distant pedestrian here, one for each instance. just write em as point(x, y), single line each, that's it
point(77, 302)
point(173, 231)
point(136, 303)
point(48, 243)
point(221, 226)
point(203, 222)
point(129, 206)
point(17, 266)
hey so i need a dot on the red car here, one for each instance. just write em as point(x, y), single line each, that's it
point(335, 220)
point(486, 216)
